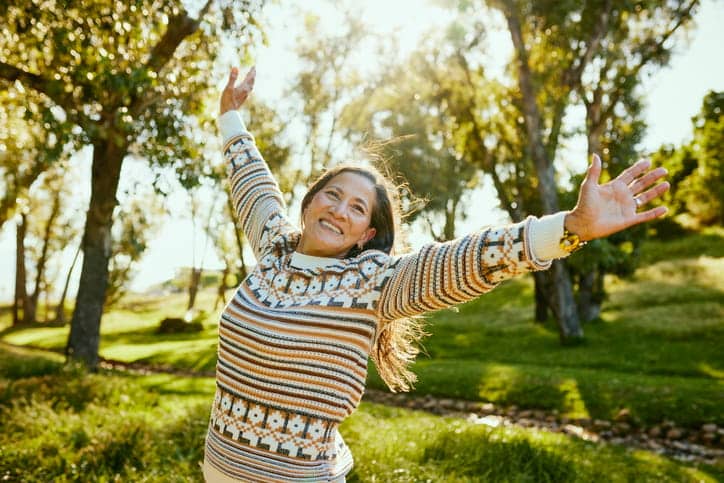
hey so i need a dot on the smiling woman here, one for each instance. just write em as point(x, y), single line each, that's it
point(349, 209)
point(295, 340)
point(337, 214)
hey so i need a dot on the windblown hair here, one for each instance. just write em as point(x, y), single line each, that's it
point(397, 341)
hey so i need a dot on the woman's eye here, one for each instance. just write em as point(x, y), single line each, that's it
point(333, 194)
point(359, 209)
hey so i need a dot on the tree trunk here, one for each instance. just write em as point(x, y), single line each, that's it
point(84, 335)
point(450, 214)
point(239, 235)
point(29, 309)
point(541, 296)
point(590, 285)
point(563, 304)
point(21, 295)
point(222, 287)
point(60, 309)
point(591, 292)
point(31, 313)
point(46, 306)
point(561, 292)
point(194, 286)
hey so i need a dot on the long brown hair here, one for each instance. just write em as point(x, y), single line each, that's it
point(397, 342)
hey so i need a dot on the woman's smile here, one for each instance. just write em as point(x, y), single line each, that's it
point(330, 226)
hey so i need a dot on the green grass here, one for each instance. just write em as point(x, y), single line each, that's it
point(656, 350)
point(709, 242)
point(62, 424)
point(412, 446)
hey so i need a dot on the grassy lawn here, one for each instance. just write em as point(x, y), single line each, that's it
point(62, 424)
point(656, 351)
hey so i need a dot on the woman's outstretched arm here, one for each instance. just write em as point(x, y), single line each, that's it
point(257, 200)
point(444, 274)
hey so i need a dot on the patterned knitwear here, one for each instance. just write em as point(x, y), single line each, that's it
point(295, 339)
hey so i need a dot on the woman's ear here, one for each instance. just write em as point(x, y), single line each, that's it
point(370, 234)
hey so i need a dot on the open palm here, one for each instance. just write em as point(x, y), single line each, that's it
point(603, 209)
point(233, 96)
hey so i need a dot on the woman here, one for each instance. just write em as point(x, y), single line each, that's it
point(295, 339)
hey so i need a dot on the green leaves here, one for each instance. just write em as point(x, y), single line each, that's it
point(696, 168)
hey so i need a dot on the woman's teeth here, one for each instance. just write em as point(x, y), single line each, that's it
point(330, 226)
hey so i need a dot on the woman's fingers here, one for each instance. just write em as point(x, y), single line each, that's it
point(649, 215)
point(248, 82)
point(244, 89)
point(594, 170)
point(232, 78)
point(647, 180)
point(653, 193)
point(629, 174)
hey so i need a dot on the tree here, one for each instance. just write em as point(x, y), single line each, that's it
point(416, 105)
point(20, 301)
point(639, 39)
point(44, 226)
point(202, 211)
point(696, 169)
point(60, 308)
point(554, 43)
point(28, 143)
point(125, 77)
point(48, 226)
point(324, 90)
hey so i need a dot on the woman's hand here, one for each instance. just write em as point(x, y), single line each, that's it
point(233, 97)
point(608, 208)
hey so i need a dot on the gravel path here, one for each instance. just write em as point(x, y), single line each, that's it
point(705, 444)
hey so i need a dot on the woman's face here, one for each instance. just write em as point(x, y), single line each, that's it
point(338, 216)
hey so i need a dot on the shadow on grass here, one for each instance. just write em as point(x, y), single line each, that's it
point(479, 456)
point(493, 456)
point(203, 360)
point(573, 392)
point(17, 363)
point(36, 325)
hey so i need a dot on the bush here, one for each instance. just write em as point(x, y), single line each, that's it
point(174, 325)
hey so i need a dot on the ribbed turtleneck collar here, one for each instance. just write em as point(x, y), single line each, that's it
point(309, 262)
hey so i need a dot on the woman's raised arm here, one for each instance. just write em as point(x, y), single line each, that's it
point(257, 200)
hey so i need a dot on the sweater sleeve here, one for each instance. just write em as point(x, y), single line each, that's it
point(257, 200)
point(445, 274)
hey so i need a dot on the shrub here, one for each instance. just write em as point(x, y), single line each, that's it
point(174, 325)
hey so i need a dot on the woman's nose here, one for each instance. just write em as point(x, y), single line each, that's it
point(339, 210)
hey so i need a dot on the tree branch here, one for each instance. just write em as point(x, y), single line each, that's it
point(572, 76)
point(53, 89)
point(179, 27)
point(650, 53)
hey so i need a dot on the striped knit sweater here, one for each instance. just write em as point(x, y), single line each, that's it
point(295, 339)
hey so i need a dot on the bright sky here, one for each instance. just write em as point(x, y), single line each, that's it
point(674, 96)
